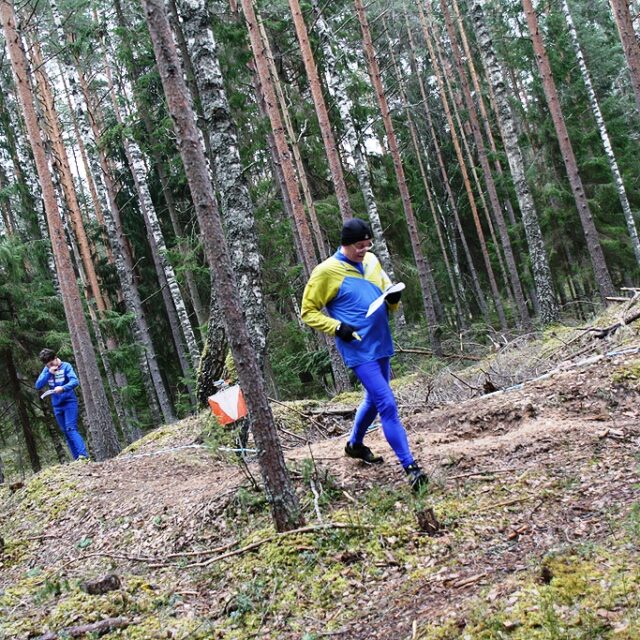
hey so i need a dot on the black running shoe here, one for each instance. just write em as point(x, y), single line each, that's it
point(418, 479)
point(363, 453)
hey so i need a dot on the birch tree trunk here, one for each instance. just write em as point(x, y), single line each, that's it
point(602, 277)
point(279, 490)
point(236, 207)
point(157, 244)
point(151, 377)
point(537, 253)
point(604, 135)
point(101, 427)
point(424, 269)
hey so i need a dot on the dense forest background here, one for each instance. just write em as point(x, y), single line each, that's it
point(493, 145)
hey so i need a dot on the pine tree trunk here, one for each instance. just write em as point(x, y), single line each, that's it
point(280, 493)
point(537, 252)
point(295, 148)
point(330, 146)
point(512, 271)
point(463, 170)
point(624, 22)
point(604, 135)
point(101, 428)
point(481, 103)
point(482, 304)
point(345, 107)
point(603, 279)
point(266, 83)
point(423, 173)
point(424, 269)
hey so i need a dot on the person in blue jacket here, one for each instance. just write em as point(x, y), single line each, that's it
point(336, 300)
point(61, 380)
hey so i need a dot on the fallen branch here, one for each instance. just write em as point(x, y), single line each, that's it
point(482, 473)
point(300, 413)
point(101, 627)
point(259, 543)
point(425, 352)
point(505, 503)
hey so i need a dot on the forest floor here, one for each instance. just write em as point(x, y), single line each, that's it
point(534, 488)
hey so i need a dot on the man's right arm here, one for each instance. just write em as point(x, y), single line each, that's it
point(43, 378)
point(320, 290)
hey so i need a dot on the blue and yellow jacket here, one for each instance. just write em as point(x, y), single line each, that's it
point(64, 377)
point(346, 289)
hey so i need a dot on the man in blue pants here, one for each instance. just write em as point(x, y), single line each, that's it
point(344, 285)
point(61, 380)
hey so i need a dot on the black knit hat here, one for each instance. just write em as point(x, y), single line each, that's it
point(355, 230)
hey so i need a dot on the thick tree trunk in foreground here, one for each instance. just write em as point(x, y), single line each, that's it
point(537, 252)
point(280, 493)
point(101, 427)
point(236, 208)
point(603, 279)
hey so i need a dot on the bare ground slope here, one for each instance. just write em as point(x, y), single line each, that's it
point(549, 467)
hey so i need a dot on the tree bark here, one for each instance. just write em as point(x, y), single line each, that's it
point(537, 253)
point(624, 22)
point(101, 427)
point(279, 490)
point(236, 207)
point(602, 277)
point(330, 146)
point(424, 269)
point(604, 134)
point(463, 169)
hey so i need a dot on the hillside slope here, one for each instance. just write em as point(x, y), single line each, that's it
point(534, 488)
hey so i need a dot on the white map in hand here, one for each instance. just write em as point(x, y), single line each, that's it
point(378, 302)
point(46, 393)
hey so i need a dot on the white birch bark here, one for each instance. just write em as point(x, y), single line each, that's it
point(604, 135)
point(533, 233)
point(235, 202)
point(138, 170)
point(152, 379)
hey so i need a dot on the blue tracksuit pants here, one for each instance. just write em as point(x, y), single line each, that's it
point(67, 417)
point(379, 399)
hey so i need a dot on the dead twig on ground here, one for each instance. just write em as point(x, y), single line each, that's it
point(489, 472)
point(426, 352)
point(259, 543)
point(101, 627)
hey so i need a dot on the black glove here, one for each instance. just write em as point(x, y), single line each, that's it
point(394, 297)
point(345, 331)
